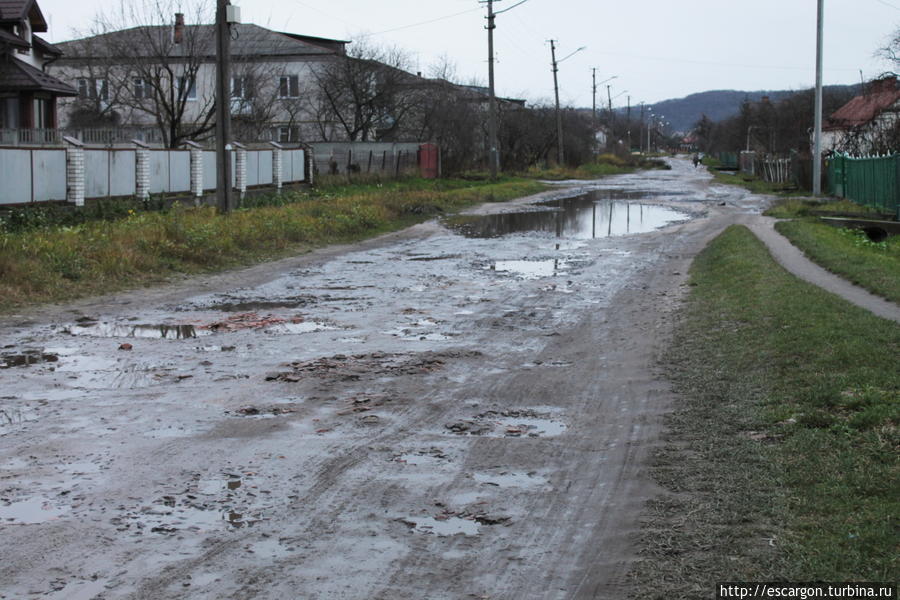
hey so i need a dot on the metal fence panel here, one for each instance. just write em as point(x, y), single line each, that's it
point(253, 168)
point(121, 172)
point(180, 170)
point(265, 167)
point(298, 164)
point(871, 181)
point(49, 175)
point(96, 173)
point(16, 188)
point(209, 170)
point(159, 171)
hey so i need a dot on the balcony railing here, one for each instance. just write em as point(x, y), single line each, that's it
point(54, 137)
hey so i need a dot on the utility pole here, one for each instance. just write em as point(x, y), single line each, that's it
point(492, 110)
point(559, 129)
point(594, 79)
point(224, 195)
point(493, 150)
point(817, 142)
point(609, 100)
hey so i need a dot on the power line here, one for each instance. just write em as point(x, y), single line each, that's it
point(435, 20)
point(888, 4)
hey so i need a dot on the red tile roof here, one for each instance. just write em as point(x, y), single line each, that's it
point(863, 109)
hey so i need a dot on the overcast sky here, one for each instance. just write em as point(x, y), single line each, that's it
point(658, 49)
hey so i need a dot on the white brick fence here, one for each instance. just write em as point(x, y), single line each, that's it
point(76, 172)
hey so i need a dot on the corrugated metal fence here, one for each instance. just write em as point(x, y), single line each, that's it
point(39, 174)
point(871, 181)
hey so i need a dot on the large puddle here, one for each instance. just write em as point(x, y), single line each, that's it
point(599, 214)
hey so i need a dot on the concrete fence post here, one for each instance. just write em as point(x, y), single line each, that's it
point(240, 168)
point(74, 171)
point(141, 170)
point(277, 170)
point(196, 151)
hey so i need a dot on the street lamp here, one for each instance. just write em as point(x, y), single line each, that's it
point(594, 71)
point(559, 130)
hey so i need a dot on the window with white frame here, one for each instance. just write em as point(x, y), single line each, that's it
point(288, 86)
point(187, 86)
point(93, 88)
point(142, 89)
point(242, 87)
point(288, 134)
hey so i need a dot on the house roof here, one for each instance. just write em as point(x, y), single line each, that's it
point(17, 76)
point(44, 46)
point(199, 40)
point(7, 37)
point(14, 11)
point(866, 107)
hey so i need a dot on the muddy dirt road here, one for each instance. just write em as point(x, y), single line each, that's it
point(433, 414)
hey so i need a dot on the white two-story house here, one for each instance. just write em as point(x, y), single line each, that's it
point(162, 79)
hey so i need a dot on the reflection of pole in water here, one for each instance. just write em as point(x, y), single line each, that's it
point(628, 218)
point(594, 221)
point(555, 266)
point(642, 213)
point(609, 227)
point(558, 225)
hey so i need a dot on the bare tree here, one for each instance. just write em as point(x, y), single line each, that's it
point(150, 66)
point(366, 94)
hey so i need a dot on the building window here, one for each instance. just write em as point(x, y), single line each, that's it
point(288, 86)
point(189, 85)
point(288, 134)
point(242, 87)
point(142, 89)
point(102, 89)
point(93, 88)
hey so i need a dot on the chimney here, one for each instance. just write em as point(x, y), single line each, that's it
point(178, 33)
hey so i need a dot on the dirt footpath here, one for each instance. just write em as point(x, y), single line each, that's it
point(425, 415)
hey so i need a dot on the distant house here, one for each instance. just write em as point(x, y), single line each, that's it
point(28, 94)
point(163, 77)
point(867, 123)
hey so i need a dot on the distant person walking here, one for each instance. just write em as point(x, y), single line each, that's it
point(696, 160)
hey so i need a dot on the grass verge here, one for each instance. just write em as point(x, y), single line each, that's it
point(850, 254)
point(50, 263)
point(780, 459)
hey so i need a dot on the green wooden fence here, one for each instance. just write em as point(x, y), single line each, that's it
point(873, 181)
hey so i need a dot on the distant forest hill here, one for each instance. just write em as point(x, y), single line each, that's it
point(683, 113)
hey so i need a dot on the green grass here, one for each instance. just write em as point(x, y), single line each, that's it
point(781, 457)
point(850, 254)
point(793, 208)
point(50, 263)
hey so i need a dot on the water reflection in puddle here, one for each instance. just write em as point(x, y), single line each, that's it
point(451, 526)
point(169, 332)
point(595, 215)
point(529, 268)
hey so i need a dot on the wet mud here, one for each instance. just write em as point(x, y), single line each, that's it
point(447, 412)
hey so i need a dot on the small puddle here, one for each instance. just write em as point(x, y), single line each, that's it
point(446, 527)
point(31, 512)
point(510, 479)
point(599, 214)
point(531, 269)
point(167, 332)
point(25, 358)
